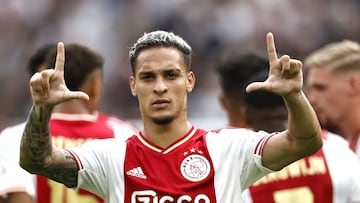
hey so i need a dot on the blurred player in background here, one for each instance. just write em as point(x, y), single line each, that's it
point(233, 83)
point(333, 87)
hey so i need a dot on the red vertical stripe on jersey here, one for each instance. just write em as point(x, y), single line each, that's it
point(260, 145)
point(77, 160)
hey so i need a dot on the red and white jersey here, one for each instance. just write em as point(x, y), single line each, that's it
point(201, 166)
point(332, 175)
point(12, 177)
point(67, 130)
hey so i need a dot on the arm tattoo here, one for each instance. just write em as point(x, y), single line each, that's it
point(36, 142)
point(65, 172)
point(37, 154)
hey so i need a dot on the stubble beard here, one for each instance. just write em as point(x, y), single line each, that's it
point(166, 120)
point(163, 121)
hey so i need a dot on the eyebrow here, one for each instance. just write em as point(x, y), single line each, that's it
point(173, 70)
point(166, 71)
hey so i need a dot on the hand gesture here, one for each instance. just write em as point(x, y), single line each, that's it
point(285, 74)
point(48, 87)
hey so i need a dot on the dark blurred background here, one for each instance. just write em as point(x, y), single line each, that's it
point(212, 28)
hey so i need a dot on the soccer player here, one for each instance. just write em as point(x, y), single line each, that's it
point(333, 87)
point(169, 159)
point(331, 175)
point(77, 121)
point(233, 83)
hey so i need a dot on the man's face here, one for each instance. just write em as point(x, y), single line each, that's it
point(328, 95)
point(161, 84)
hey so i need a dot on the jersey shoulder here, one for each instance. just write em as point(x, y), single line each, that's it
point(333, 139)
point(118, 123)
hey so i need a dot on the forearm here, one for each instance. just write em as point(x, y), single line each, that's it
point(17, 197)
point(303, 123)
point(36, 143)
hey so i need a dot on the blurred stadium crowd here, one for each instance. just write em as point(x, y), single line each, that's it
point(212, 27)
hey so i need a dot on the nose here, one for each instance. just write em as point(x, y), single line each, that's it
point(160, 86)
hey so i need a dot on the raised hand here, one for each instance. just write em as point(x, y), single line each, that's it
point(48, 87)
point(285, 74)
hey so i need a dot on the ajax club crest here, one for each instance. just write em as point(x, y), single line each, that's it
point(195, 168)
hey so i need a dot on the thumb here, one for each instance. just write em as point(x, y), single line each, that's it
point(77, 95)
point(255, 86)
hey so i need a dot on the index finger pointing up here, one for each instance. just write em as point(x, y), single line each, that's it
point(271, 50)
point(60, 57)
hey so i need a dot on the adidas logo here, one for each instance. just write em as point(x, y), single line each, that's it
point(137, 172)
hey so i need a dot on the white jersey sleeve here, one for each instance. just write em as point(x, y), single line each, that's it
point(101, 160)
point(13, 177)
point(330, 175)
point(243, 145)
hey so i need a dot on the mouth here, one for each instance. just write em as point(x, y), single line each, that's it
point(160, 103)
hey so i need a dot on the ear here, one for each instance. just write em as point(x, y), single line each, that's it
point(132, 85)
point(97, 84)
point(354, 82)
point(190, 82)
point(93, 84)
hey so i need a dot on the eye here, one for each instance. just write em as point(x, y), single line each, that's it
point(171, 75)
point(146, 77)
point(319, 88)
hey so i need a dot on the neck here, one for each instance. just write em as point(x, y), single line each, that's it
point(164, 135)
point(72, 107)
point(349, 126)
point(237, 121)
point(238, 125)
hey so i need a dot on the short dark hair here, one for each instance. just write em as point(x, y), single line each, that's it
point(261, 98)
point(80, 62)
point(160, 38)
point(39, 58)
point(236, 69)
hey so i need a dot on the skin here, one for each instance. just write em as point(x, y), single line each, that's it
point(303, 136)
point(161, 84)
point(17, 197)
point(93, 87)
point(235, 111)
point(46, 159)
point(335, 97)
